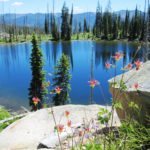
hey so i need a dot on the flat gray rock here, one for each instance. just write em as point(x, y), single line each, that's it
point(28, 132)
point(141, 76)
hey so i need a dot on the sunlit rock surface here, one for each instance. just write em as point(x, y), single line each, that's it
point(140, 96)
point(28, 132)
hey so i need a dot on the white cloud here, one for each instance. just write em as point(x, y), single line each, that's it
point(78, 9)
point(4, 0)
point(17, 4)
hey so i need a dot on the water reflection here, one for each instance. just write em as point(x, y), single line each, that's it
point(16, 74)
point(67, 50)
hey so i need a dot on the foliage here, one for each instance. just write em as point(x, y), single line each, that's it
point(98, 22)
point(4, 114)
point(36, 88)
point(54, 29)
point(46, 24)
point(6, 124)
point(85, 29)
point(107, 26)
point(61, 79)
point(104, 116)
point(66, 27)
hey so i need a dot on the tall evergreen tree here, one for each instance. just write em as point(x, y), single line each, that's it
point(46, 24)
point(98, 21)
point(38, 77)
point(105, 25)
point(126, 24)
point(65, 26)
point(85, 27)
point(131, 30)
point(61, 80)
point(136, 25)
point(80, 27)
point(71, 17)
point(54, 29)
point(71, 20)
point(115, 27)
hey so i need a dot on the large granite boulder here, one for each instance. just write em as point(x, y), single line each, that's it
point(140, 96)
point(28, 132)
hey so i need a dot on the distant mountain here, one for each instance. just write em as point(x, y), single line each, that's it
point(38, 18)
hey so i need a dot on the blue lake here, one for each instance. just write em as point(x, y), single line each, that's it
point(15, 73)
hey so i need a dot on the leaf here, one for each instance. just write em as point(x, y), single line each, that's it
point(118, 105)
point(133, 105)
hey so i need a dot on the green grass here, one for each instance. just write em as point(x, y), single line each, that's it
point(133, 136)
point(21, 39)
point(4, 114)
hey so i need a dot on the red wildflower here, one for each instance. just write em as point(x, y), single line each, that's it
point(118, 56)
point(136, 86)
point(69, 123)
point(58, 90)
point(93, 83)
point(80, 133)
point(87, 129)
point(67, 113)
point(138, 64)
point(35, 100)
point(108, 65)
point(60, 128)
point(128, 67)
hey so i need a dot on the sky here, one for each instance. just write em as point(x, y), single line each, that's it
point(34, 6)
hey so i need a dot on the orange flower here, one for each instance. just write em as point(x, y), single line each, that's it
point(108, 65)
point(67, 113)
point(60, 128)
point(35, 100)
point(128, 67)
point(138, 64)
point(69, 123)
point(118, 56)
point(58, 90)
point(93, 83)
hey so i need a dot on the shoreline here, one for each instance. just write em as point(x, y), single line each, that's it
point(94, 40)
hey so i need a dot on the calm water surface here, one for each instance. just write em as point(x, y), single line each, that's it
point(15, 73)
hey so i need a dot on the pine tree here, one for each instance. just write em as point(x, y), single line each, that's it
point(61, 79)
point(131, 30)
point(98, 21)
point(71, 20)
point(46, 24)
point(80, 27)
point(136, 25)
point(71, 17)
point(36, 88)
point(54, 29)
point(85, 28)
point(115, 27)
point(126, 24)
point(105, 25)
point(65, 26)
point(120, 27)
point(143, 27)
